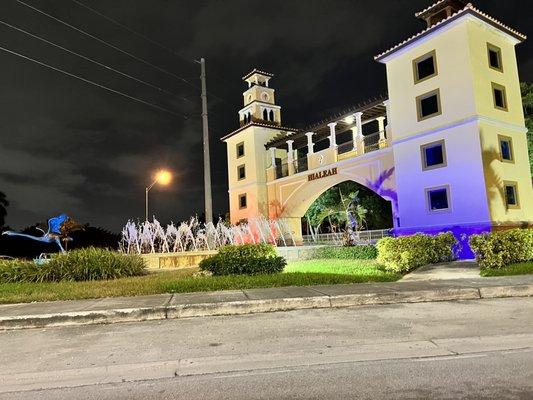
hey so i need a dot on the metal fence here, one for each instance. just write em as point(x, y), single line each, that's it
point(362, 237)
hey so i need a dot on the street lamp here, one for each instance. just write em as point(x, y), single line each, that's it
point(163, 177)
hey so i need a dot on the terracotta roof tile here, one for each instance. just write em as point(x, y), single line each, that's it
point(468, 9)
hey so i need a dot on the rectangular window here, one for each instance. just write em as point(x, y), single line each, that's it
point(499, 97)
point(511, 194)
point(240, 149)
point(241, 172)
point(438, 199)
point(242, 201)
point(495, 57)
point(425, 67)
point(506, 148)
point(428, 105)
point(433, 155)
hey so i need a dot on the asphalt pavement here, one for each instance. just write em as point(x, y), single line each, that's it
point(468, 349)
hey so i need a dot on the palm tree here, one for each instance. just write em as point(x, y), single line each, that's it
point(342, 211)
point(3, 208)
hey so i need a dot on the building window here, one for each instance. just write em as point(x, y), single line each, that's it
point(495, 57)
point(265, 114)
point(240, 149)
point(425, 67)
point(428, 105)
point(271, 114)
point(241, 172)
point(438, 199)
point(499, 97)
point(242, 201)
point(506, 148)
point(433, 155)
point(511, 194)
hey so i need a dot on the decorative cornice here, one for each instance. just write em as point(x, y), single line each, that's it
point(468, 9)
point(257, 71)
point(276, 127)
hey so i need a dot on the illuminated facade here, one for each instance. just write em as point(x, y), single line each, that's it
point(447, 147)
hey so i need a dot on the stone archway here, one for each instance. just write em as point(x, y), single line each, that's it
point(293, 195)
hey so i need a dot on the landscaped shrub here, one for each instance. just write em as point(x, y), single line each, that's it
point(499, 249)
point(362, 252)
point(404, 253)
point(76, 265)
point(248, 259)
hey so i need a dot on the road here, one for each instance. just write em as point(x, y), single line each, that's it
point(442, 350)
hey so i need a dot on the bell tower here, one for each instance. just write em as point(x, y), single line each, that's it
point(248, 159)
point(259, 101)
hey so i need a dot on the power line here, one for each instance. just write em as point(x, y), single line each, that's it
point(110, 45)
point(131, 30)
point(95, 62)
point(93, 83)
point(144, 37)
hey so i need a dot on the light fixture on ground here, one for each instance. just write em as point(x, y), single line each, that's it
point(163, 177)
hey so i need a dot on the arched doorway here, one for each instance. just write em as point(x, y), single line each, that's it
point(327, 214)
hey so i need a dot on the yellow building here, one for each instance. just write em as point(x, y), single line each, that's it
point(447, 147)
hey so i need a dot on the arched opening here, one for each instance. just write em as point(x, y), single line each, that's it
point(271, 115)
point(335, 209)
point(265, 114)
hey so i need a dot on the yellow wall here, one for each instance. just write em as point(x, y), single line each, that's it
point(255, 91)
point(255, 159)
point(478, 36)
point(498, 122)
point(497, 171)
point(454, 80)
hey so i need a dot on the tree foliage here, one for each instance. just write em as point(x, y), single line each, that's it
point(527, 102)
point(373, 212)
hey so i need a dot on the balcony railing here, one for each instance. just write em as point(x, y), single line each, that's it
point(282, 170)
point(300, 165)
point(369, 143)
point(345, 147)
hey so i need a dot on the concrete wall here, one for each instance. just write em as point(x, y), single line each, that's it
point(176, 260)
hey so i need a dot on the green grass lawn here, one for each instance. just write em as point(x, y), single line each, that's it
point(366, 269)
point(514, 269)
point(301, 273)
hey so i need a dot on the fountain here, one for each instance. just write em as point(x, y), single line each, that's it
point(150, 237)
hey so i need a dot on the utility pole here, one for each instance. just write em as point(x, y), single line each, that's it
point(207, 161)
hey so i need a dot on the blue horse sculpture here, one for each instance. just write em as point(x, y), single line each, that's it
point(53, 234)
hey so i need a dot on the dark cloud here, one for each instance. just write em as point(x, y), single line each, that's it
point(69, 146)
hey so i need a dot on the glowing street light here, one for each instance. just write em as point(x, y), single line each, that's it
point(163, 177)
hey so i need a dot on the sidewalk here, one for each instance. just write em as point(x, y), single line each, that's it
point(448, 270)
point(167, 306)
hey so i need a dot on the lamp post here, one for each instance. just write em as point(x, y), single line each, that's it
point(163, 177)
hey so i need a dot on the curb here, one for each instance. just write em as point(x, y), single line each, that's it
point(261, 306)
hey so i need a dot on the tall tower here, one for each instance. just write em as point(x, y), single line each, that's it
point(260, 121)
point(457, 125)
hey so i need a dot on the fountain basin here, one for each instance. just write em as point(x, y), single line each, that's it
point(184, 259)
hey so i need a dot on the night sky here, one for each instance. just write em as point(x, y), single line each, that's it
point(68, 146)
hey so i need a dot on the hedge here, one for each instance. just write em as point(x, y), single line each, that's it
point(404, 253)
point(77, 265)
point(499, 249)
point(362, 252)
point(247, 259)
